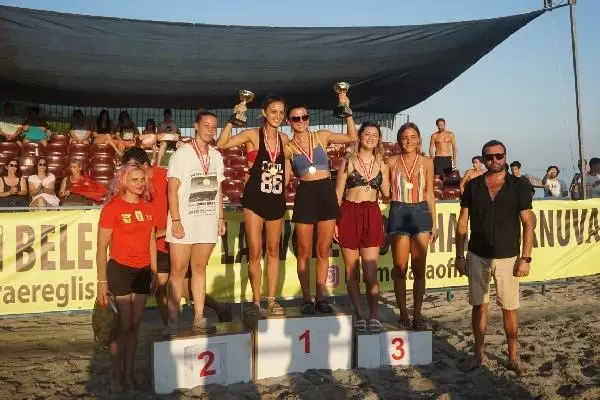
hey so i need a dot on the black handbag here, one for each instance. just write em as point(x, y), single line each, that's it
point(105, 321)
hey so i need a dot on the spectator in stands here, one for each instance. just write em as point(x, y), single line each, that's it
point(42, 186)
point(442, 148)
point(592, 180)
point(474, 172)
point(168, 135)
point(34, 128)
point(74, 176)
point(126, 132)
point(264, 196)
point(412, 225)
point(156, 178)
point(360, 180)
point(554, 187)
point(126, 229)
point(11, 125)
point(575, 188)
point(148, 138)
point(13, 186)
point(79, 130)
point(315, 206)
point(105, 130)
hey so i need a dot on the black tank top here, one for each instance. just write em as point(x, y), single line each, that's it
point(265, 190)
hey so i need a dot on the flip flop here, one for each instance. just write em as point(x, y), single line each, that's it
point(275, 308)
point(360, 325)
point(308, 307)
point(374, 326)
point(470, 364)
point(418, 324)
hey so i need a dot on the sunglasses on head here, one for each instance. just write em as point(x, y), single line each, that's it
point(490, 157)
point(299, 118)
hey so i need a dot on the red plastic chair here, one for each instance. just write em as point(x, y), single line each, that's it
point(64, 139)
point(233, 151)
point(438, 194)
point(438, 184)
point(57, 148)
point(335, 163)
point(237, 161)
point(451, 193)
point(10, 148)
point(102, 149)
point(32, 149)
point(79, 148)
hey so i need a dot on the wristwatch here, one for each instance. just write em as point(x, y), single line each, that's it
point(526, 259)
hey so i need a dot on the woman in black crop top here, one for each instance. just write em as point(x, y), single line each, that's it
point(362, 178)
point(264, 195)
point(13, 186)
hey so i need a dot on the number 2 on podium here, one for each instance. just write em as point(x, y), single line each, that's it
point(306, 337)
point(399, 355)
point(210, 358)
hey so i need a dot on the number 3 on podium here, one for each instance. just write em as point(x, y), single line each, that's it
point(399, 353)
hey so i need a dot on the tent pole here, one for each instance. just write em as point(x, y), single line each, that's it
point(577, 94)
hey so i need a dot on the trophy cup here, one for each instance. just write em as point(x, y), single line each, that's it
point(342, 110)
point(239, 119)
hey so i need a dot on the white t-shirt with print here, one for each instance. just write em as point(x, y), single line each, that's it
point(592, 184)
point(198, 195)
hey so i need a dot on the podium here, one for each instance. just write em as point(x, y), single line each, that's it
point(393, 346)
point(189, 360)
point(295, 342)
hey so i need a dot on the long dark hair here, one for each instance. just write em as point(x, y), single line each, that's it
point(99, 121)
point(18, 173)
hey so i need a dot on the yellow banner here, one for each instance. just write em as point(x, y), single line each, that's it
point(47, 259)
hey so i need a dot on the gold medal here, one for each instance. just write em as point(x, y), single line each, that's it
point(312, 169)
point(409, 185)
point(273, 170)
point(206, 182)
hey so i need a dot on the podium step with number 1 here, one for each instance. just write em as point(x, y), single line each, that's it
point(296, 342)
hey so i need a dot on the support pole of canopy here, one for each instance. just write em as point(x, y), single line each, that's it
point(577, 94)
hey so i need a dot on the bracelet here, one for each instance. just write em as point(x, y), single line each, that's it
point(175, 220)
point(460, 257)
point(221, 218)
point(102, 281)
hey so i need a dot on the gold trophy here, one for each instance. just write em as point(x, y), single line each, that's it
point(342, 110)
point(239, 119)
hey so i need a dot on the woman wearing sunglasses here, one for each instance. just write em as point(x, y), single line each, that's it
point(316, 202)
point(360, 180)
point(412, 226)
point(264, 195)
point(42, 186)
point(13, 186)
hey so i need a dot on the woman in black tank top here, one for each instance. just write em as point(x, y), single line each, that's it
point(264, 195)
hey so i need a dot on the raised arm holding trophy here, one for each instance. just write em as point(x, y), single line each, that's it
point(241, 117)
point(343, 109)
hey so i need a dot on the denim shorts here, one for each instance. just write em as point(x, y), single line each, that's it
point(409, 218)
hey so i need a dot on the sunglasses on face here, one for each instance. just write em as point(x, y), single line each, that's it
point(299, 118)
point(13, 165)
point(42, 164)
point(496, 156)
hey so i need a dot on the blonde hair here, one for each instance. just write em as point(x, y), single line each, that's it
point(378, 150)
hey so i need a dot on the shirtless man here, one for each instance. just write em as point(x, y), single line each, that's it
point(442, 148)
point(472, 172)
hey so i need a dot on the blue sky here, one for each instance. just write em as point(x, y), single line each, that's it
point(521, 93)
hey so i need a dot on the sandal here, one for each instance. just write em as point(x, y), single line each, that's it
point(360, 325)
point(418, 324)
point(308, 307)
point(374, 326)
point(203, 326)
point(224, 315)
point(275, 308)
point(323, 307)
point(404, 323)
point(253, 311)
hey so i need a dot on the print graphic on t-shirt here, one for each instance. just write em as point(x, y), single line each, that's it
point(139, 216)
point(127, 135)
point(203, 194)
point(271, 178)
point(126, 218)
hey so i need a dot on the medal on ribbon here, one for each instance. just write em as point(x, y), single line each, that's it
point(409, 174)
point(204, 163)
point(272, 155)
point(309, 155)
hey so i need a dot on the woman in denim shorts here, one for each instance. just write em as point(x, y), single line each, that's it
point(411, 225)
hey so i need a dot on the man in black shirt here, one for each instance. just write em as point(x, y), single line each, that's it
point(497, 204)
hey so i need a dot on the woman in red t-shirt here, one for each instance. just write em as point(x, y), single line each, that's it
point(127, 227)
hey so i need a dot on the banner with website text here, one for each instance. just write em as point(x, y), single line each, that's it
point(47, 259)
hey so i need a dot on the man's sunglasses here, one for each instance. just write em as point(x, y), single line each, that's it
point(13, 165)
point(299, 118)
point(490, 157)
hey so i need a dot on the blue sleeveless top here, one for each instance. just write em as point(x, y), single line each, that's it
point(320, 159)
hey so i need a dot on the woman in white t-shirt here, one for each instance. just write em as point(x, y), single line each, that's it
point(195, 219)
point(42, 186)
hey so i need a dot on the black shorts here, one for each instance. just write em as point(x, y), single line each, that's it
point(124, 280)
point(163, 262)
point(442, 164)
point(171, 144)
point(315, 201)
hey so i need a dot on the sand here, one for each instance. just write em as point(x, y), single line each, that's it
point(54, 357)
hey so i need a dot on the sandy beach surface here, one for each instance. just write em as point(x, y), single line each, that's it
point(55, 357)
